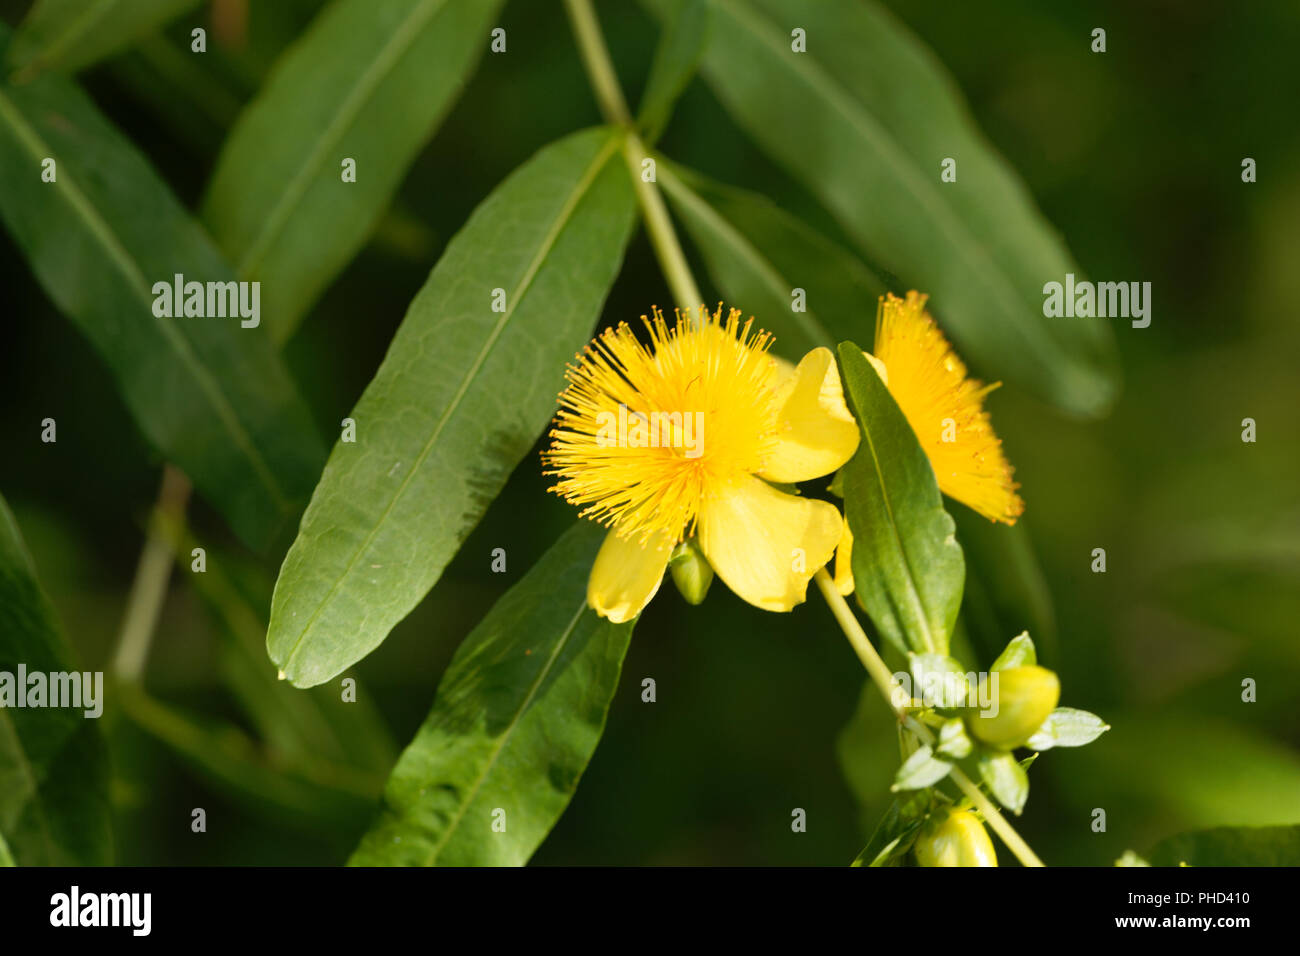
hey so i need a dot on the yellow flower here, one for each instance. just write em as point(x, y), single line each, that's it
point(686, 436)
point(944, 408)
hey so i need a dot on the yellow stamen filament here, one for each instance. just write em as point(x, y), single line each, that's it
point(712, 371)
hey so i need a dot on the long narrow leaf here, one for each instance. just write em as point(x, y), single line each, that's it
point(864, 118)
point(516, 719)
point(369, 81)
point(908, 568)
point(211, 395)
point(74, 34)
point(468, 384)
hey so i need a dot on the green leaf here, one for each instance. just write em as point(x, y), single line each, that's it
point(675, 63)
point(53, 764)
point(891, 841)
point(1019, 652)
point(458, 402)
point(938, 680)
point(73, 34)
point(1006, 779)
point(954, 743)
point(757, 255)
point(370, 80)
point(1067, 727)
point(894, 835)
point(922, 769)
point(907, 565)
point(864, 119)
point(1230, 846)
point(211, 396)
point(516, 718)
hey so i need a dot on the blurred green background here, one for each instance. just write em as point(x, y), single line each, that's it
point(1135, 155)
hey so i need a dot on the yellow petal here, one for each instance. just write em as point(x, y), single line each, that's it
point(945, 409)
point(816, 431)
point(784, 370)
point(765, 544)
point(626, 575)
point(844, 562)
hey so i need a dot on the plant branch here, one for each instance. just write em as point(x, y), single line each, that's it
point(659, 226)
point(883, 678)
point(609, 96)
point(595, 57)
point(149, 589)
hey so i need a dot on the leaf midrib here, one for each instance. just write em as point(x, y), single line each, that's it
point(394, 49)
point(512, 304)
point(981, 264)
point(126, 264)
point(504, 738)
point(912, 588)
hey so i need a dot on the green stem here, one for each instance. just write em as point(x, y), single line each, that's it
point(894, 694)
point(149, 589)
point(1014, 841)
point(659, 226)
point(609, 96)
point(595, 57)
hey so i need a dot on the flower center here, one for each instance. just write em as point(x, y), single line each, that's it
point(645, 434)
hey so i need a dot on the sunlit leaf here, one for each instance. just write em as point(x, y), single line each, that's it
point(462, 395)
point(1005, 778)
point(515, 721)
point(1067, 727)
point(907, 566)
point(921, 769)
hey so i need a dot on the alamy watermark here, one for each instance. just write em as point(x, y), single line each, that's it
point(74, 908)
point(61, 689)
point(1123, 300)
point(684, 430)
point(217, 300)
point(948, 689)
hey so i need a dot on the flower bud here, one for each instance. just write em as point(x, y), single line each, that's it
point(1025, 697)
point(691, 572)
point(956, 839)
